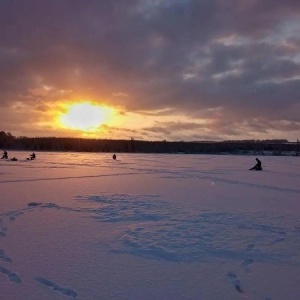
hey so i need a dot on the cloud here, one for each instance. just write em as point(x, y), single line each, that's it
point(155, 57)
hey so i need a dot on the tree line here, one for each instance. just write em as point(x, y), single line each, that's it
point(275, 147)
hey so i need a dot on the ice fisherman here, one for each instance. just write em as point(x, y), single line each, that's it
point(258, 166)
point(5, 155)
point(32, 156)
point(114, 156)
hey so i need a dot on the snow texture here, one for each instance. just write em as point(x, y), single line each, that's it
point(85, 226)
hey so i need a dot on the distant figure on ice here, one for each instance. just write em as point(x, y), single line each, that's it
point(14, 159)
point(114, 156)
point(258, 166)
point(32, 156)
point(4, 155)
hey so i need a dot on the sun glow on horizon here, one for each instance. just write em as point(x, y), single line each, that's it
point(85, 116)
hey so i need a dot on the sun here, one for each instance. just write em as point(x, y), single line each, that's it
point(85, 116)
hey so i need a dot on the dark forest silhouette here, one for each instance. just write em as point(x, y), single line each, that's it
point(274, 147)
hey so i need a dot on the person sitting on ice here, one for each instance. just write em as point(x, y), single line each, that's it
point(114, 156)
point(258, 166)
point(32, 156)
point(5, 155)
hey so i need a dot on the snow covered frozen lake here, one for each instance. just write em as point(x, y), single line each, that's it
point(85, 226)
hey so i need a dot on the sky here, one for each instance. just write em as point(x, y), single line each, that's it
point(150, 69)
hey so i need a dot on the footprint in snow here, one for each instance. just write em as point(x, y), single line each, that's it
point(3, 257)
point(246, 263)
point(34, 204)
point(13, 277)
point(13, 216)
point(281, 238)
point(235, 282)
point(250, 247)
point(55, 287)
